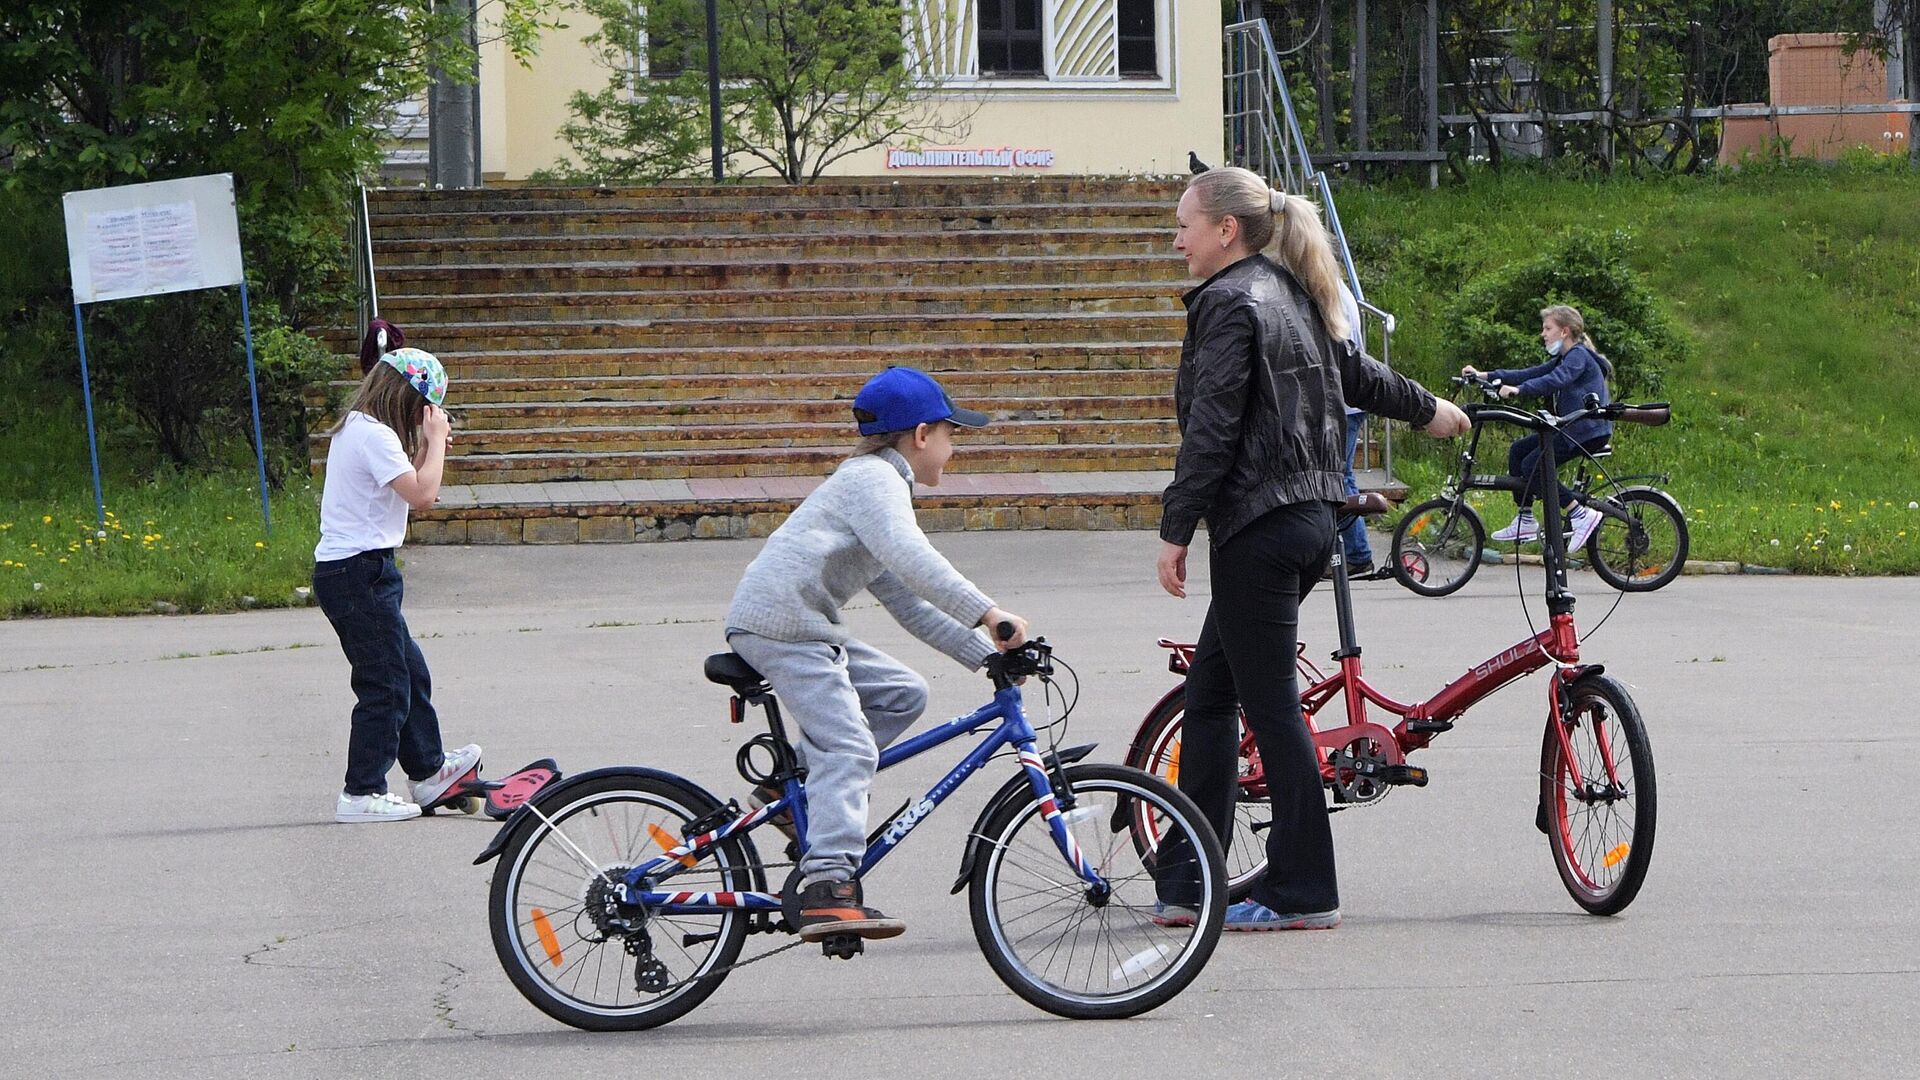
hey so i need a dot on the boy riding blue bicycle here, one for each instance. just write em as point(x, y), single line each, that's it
point(857, 532)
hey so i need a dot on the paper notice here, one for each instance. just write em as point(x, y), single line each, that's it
point(170, 246)
point(113, 253)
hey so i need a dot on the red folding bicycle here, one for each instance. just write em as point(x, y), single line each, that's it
point(1596, 802)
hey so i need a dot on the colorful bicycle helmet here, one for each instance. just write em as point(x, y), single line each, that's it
point(422, 369)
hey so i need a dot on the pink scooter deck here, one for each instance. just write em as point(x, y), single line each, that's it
point(500, 798)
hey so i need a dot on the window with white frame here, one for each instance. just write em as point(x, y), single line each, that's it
point(1055, 41)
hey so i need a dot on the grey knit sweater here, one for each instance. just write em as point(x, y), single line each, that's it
point(857, 531)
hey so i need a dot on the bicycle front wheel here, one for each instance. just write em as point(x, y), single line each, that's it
point(1598, 808)
point(1156, 750)
point(566, 946)
point(1645, 551)
point(1436, 546)
point(1099, 954)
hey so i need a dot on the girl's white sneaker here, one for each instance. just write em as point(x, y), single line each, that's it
point(355, 809)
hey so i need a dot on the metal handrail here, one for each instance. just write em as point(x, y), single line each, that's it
point(366, 290)
point(1252, 58)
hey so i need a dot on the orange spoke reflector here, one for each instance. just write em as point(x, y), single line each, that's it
point(1173, 765)
point(1616, 855)
point(668, 843)
point(1419, 527)
point(547, 941)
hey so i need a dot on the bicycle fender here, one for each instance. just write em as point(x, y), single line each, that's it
point(520, 815)
point(1014, 788)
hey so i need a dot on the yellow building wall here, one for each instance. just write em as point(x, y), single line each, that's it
point(1114, 128)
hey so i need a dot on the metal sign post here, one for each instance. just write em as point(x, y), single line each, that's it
point(147, 240)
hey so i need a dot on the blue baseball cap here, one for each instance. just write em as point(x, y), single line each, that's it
point(902, 398)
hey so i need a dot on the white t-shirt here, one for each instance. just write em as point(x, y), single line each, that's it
point(358, 511)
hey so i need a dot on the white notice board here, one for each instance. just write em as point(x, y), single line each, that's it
point(146, 239)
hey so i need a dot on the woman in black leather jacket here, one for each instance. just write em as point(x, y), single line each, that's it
point(1265, 372)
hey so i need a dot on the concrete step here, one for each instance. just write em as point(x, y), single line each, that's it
point(691, 273)
point(1013, 389)
point(761, 460)
point(749, 334)
point(443, 251)
point(844, 359)
point(679, 220)
point(850, 193)
point(480, 417)
point(623, 511)
point(608, 436)
point(907, 302)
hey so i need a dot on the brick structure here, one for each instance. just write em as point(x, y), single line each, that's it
point(1817, 69)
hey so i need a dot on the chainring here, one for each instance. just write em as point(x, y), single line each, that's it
point(1357, 778)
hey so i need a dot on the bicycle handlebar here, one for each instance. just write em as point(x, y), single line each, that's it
point(1651, 414)
point(1033, 658)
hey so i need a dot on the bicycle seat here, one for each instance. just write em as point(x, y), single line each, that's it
point(728, 669)
point(1365, 504)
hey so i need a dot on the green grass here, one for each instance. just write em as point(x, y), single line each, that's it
point(1796, 438)
point(194, 541)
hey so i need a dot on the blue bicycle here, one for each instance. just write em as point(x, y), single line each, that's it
point(625, 896)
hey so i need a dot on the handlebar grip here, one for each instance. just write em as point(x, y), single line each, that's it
point(1003, 631)
point(1651, 416)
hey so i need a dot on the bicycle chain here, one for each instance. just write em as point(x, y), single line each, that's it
point(737, 964)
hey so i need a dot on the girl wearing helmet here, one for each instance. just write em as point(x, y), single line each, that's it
point(387, 454)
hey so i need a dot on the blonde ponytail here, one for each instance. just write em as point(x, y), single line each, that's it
point(1301, 244)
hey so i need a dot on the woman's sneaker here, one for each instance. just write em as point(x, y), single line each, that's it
point(454, 765)
point(1253, 915)
point(356, 809)
point(834, 907)
point(1523, 529)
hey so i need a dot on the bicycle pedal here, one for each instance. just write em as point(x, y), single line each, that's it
point(1412, 775)
point(1429, 727)
point(842, 946)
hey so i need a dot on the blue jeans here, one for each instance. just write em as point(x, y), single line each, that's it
point(1523, 460)
point(1353, 539)
point(393, 718)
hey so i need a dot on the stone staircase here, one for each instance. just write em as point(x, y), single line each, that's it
point(653, 363)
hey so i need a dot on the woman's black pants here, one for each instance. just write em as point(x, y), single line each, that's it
point(1245, 660)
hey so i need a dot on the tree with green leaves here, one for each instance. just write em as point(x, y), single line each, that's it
point(806, 83)
point(287, 95)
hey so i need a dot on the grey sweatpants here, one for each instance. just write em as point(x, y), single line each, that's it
point(846, 701)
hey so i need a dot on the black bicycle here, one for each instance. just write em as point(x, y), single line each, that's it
point(1640, 544)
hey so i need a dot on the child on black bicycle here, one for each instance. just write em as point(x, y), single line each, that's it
point(1574, 369)
point(857, 531)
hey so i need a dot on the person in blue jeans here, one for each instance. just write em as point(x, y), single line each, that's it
point(1574, 369)
point(387, 454)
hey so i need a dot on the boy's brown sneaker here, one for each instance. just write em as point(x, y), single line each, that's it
point(833, 907)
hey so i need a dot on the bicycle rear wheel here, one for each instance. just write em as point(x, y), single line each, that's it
point(1644, 552)
point(1436, 546)
point(1156, 750)
point(559, 936)
point(1086, 955)
point(1601, 828)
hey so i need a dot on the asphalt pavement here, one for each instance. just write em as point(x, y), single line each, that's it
point(175, 900)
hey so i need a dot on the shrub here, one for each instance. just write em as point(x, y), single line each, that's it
point(1494, 322)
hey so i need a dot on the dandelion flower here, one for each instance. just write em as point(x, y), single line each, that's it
point(63, 558)
point(46, 519)
point(1835, 504)
point(259, 543)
